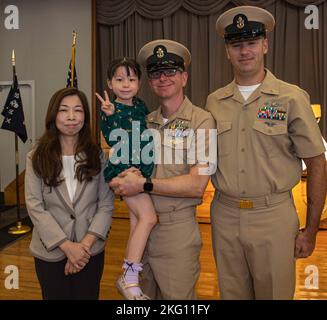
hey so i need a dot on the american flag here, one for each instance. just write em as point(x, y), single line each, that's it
point(72, 77)
point(69, 78)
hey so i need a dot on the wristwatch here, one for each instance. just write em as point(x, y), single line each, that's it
point(148, 185)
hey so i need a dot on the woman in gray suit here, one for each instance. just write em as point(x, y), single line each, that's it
point(68, 201)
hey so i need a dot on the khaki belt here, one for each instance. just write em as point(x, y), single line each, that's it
point(167, 217)
point(253, 203)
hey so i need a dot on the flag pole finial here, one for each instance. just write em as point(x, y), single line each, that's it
point(13, 58)
point(74, 38)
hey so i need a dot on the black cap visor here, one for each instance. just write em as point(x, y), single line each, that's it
point(168, 61)
point(252, 30)
point(244, 37)
point(164, 66)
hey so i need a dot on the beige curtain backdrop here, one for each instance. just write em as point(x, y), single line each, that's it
point(296, 55)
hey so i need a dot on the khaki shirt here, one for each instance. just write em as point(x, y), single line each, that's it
point(178, 139)
point(258, 156)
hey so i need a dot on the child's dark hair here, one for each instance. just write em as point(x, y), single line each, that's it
point(125, 62)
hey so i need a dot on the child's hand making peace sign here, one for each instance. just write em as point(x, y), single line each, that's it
point(106, 106)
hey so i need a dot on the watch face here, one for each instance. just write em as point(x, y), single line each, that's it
point(148, 186)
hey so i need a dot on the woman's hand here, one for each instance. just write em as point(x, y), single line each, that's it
point(87, 243)
point(70, 269)
point(77, 253)
point(106, 106)
point(89, 240)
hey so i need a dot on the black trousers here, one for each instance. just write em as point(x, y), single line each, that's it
point(84, 285)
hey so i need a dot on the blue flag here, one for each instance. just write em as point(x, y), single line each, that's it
point(13, 112)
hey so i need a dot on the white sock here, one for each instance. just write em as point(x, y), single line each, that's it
point(131, 275)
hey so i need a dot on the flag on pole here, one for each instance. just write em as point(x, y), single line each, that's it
point(72, 76)
point(13, 112)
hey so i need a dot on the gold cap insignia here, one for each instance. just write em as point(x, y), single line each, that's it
point(240, 22)
point(160, 53)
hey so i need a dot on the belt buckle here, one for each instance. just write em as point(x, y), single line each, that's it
point(245, 204)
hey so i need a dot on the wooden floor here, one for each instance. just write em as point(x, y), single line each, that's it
point(17, 254)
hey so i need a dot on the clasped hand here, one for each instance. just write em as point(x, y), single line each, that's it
point(78, 255)
point(127, 183)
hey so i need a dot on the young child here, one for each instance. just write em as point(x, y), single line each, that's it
point(124, 80)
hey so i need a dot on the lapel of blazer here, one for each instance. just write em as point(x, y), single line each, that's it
point(80, 188)
point(63, 195)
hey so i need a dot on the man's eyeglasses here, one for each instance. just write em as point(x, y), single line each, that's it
point(167, 72)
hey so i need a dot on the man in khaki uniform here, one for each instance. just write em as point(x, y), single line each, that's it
point(171, 261)
point(265, 126)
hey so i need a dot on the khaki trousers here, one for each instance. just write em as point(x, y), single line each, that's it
point(171, 259)
point(254, 250)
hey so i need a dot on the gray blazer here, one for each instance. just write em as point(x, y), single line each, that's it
point(56, 218)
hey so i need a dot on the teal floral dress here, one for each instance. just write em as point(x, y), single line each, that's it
point(132, 119)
